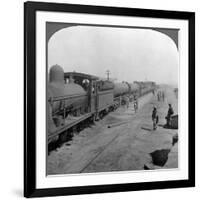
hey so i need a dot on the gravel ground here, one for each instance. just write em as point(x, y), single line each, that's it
point(132, 145)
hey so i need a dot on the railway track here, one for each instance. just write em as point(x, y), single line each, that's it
point(111, 141)
point(79, 163)
point(99, 153)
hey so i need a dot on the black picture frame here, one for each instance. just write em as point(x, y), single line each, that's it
point(30, 9)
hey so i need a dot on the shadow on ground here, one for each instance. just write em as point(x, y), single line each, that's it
point(146, 128)
point(160, 157)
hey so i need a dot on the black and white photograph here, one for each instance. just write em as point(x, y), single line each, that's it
point(99, 99)
point(112, 98)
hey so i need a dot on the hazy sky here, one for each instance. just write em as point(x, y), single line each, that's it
point(130, 54)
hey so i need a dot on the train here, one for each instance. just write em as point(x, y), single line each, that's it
point(75, 99)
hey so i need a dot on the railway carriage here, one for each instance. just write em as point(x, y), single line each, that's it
point(75, 99)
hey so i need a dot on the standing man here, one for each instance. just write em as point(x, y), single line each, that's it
point(169, 114)
point(128, 100)
point(154, 118)
point(135, 103)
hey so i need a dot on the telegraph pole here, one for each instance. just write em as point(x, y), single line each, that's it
point(108, 73)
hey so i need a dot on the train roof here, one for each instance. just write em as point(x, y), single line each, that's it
point(80, 75)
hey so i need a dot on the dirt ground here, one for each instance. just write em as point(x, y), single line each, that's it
point(130, 145)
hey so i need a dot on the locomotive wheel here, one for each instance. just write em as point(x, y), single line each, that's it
point(70, 133)
point(84, 124)
point(63, 137)
point(74, 130)
point(101, 114)
point(92, 119)
point(106, 111)
point(79, 128)
point(111, 108)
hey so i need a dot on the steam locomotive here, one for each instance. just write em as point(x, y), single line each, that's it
point(74, 99)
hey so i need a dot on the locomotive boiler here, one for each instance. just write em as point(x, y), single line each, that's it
point(62, 93)
point(120, 89)
point(126, 88)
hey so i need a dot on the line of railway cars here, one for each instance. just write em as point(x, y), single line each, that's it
point(75, 99)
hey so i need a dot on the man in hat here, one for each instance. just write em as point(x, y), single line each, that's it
point(154, 118)
point(169, 114)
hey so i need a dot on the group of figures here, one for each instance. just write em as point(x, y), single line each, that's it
point(132, 98)
point(155, 117)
